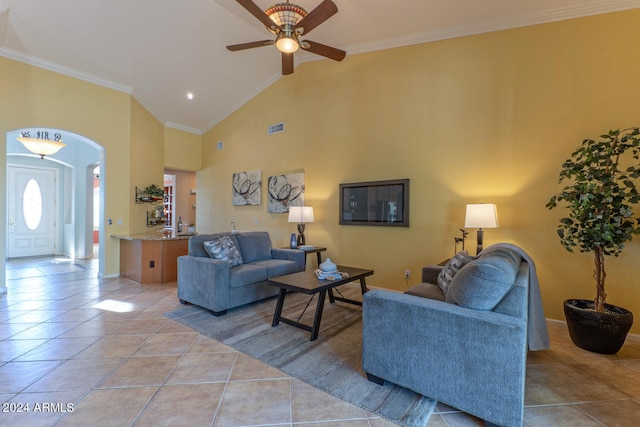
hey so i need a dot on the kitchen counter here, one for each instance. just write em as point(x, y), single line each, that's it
point(151, 257)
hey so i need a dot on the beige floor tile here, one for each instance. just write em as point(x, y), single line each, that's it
point(182, 405)
point(11, 349)
point(58, 349)
point(204, 344)
point(16, 376)
point(255, 402)
point(105, 408)
point(94, 328)
point(342, 423)
point(44, 409)
point(75, 374)
point(571, 384)
point(141, 371)
point(7, 330)
point(614, 414)
point(46, 330)
point(114, 346)
point(165, 344)
point(557, 416)
point(310, 404)
point(204, 367)
point(249, 368)
point(140, 327)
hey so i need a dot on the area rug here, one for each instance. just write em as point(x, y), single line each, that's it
point(331, 363)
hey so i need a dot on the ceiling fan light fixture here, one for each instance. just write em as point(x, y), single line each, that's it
point(286, 15)
point(287, 44)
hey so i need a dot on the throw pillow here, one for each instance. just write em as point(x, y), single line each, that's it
point(483, 283)
point(224, 249)
point(445, 276)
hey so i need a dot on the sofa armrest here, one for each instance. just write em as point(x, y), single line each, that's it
point(204, 281)
point(295, 255)
point(430, 273)
point(470, 359)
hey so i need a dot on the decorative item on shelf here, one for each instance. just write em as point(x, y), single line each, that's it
point(151, 194)
point(41, 144)
point(191, 228)
point(481, 215)
point(601, 198)
point(293, 242)
point(461, 239)
point(156, 216)
point(328, 267)
point(301, 214)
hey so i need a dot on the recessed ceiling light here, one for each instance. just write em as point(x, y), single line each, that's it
point(190, 96)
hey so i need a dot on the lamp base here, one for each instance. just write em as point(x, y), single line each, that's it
point(480, 237)
point(301, 240)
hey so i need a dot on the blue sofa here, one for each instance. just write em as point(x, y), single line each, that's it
point(466, 348)
point(216, 285)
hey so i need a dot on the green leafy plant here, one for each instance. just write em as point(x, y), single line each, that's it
point(600, 197)
point(154, 191)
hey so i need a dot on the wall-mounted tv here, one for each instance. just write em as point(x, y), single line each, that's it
point(382, 203)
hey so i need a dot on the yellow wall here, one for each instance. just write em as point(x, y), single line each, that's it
point(487, 118)
point(33, 97)
point(147, 161)
point(182, 150)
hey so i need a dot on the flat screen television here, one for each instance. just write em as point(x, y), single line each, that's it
point(381, 203)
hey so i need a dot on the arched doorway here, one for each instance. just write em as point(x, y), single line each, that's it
point(73, 191)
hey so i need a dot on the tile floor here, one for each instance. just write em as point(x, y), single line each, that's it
point(87, 352)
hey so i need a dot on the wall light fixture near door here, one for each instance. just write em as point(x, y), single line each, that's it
point(41, 144)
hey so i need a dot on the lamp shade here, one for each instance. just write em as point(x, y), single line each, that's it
point(300, 214)
point(481, 215)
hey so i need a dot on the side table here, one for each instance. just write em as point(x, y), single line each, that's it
point(310, 250)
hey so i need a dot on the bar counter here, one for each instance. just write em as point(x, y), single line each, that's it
point(151, 257)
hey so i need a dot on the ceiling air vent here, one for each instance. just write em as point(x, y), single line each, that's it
point(277, 128)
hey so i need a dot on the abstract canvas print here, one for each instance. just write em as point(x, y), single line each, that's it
point(247, 188)
point(285, 191)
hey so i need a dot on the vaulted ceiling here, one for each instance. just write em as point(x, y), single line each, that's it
point(159, 50)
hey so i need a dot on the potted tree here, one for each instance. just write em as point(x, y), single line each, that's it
point(600, 193)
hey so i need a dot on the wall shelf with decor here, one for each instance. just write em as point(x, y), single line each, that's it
point(156, 217)
point(151, 194)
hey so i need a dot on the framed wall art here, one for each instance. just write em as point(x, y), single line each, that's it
point(247, 188)
point(285, 191)
point(383, 203)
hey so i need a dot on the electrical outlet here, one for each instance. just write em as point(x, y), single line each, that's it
point(152, 264)
point(407, 274)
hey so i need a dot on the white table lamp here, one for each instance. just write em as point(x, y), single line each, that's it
point(481, 215)
point(301, 215)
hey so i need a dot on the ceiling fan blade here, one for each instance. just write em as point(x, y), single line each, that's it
point(317, 16)
point(287, 63)
point(251, 45)
point(255, 10)
point(323, 50)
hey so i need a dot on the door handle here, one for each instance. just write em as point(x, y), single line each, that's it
point(12, 221)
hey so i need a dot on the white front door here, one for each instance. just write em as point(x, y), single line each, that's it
point(31, 211)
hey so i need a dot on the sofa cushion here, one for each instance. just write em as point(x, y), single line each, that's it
point(481, 284)
point(196, 243)
point(224, 249)
point(246, 274)
point(277, 267)
point(426, 290)
point(446, 275)
point(254, 245)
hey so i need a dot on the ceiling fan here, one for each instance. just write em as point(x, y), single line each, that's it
point(289, 22)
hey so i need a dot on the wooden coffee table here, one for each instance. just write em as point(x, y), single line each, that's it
point(308, 283)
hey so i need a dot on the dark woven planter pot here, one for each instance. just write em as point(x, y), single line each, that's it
point(598, 332)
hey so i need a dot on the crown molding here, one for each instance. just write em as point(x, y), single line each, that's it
point(51, 66)
point(183, 128)
point(548, 16)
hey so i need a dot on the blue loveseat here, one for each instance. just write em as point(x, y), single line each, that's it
point(217, 285)
point(466, 348)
